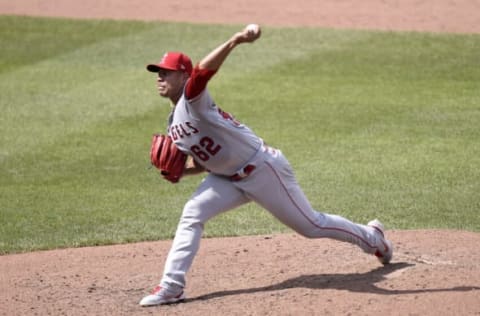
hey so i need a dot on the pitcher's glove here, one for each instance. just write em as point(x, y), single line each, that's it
point(166, 157)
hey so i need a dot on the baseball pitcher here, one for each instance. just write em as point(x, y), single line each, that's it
point(239, 167)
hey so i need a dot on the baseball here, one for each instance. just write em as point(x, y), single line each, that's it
point(253, 28)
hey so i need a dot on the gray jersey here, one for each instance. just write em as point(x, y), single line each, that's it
point(213, 137)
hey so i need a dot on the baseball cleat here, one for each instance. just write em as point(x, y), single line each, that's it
point(384, 250)
point(161, 296)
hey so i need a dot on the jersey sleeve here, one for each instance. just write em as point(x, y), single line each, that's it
point(198, 82)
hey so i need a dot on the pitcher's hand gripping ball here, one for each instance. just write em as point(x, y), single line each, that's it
point(251, 33)
point(166, 157)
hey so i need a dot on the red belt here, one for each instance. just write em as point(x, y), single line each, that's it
point(243, 174)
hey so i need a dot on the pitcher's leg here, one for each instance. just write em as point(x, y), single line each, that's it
point(342, 229)
point(275, 188)
point(214, 195)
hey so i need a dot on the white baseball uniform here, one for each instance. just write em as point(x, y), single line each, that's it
point(241, 169)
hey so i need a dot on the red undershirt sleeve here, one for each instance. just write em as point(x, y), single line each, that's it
point(198, 82)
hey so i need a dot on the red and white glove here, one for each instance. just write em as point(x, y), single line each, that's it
point(166, 157)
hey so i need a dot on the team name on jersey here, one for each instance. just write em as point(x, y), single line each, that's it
point(182, 130)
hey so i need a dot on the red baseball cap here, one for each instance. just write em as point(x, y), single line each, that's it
point(173, 61)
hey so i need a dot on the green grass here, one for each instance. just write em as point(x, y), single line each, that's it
point(376, 124)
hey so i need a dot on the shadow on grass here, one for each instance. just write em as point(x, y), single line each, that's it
point(353, 282)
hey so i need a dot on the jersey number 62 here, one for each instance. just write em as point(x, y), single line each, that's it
point(205, 149)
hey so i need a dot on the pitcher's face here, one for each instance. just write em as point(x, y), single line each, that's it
point(170, 83)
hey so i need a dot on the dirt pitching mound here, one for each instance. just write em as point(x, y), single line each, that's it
point(433, 272)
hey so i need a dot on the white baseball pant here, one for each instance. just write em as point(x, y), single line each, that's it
point(273, 186)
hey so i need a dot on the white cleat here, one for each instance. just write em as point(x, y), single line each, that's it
point(161, 296)
point(384, 250)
